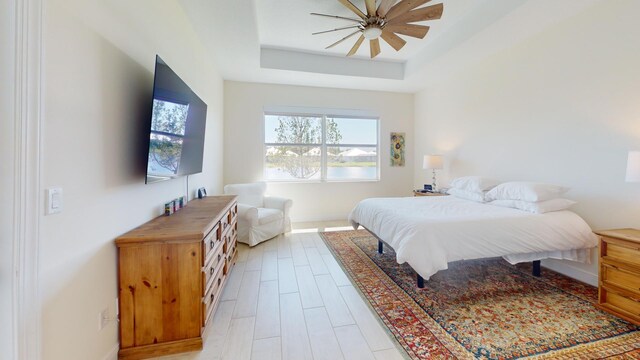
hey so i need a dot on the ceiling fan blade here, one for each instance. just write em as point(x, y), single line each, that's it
point(404, 6)
point(374, 46)
point(337, 29)
point(353, 8)
point(432, 12)
point(343, 39)
point(416, 31)
point(384, 7)
point(356, 45)
point(371, 7)
point(392, 39)
point(336, 17)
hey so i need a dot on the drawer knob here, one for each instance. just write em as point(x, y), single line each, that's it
point(219, 281)
point(211, 270)
point(211, 244)
point(219, 256)
point(212, 296)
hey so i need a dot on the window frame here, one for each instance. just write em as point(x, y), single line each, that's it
point(323, 115)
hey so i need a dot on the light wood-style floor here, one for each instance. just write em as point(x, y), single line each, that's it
point(288, 298)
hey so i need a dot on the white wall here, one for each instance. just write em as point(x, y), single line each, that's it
point(7, 50)
point(243, 138)
point(561, 107)
point(98, 72)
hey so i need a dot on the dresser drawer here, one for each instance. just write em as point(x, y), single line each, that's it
point(234, 231)
point(230, 256)
point(212, 267)
point(210, 243)
point(621, 277)
point(233, 213)
point(225, 222)
point(622, 304)
point(620, 250)
point(211, 297)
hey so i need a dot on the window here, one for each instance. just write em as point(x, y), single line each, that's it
point(303, 147)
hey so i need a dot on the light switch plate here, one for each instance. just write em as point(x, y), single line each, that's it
point(54, 201)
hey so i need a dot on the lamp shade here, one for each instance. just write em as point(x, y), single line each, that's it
point(432, 162)
point(633, 167)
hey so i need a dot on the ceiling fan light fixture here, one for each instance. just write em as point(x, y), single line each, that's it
point(372, 32)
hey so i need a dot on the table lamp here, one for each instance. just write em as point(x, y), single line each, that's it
point(433, 162)
point(633, 167)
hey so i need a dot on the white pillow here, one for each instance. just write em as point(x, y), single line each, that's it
point(525, 191)
point(540, 207)
point(474, 183)
point(468, 195)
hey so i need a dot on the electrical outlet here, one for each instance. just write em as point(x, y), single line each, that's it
point(103, 319)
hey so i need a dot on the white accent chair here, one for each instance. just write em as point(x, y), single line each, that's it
point(260, 217)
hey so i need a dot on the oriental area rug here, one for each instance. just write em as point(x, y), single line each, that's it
point(483, 309)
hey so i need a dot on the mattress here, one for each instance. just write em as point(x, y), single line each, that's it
point(431, 231)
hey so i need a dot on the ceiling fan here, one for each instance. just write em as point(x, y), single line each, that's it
point(385, 22)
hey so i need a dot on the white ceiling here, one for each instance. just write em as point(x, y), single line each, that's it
point(270, 41)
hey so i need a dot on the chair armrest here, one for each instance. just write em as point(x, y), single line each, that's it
point(248, 212)
point(274, 202)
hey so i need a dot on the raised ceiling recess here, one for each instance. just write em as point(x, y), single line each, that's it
point(386, 22)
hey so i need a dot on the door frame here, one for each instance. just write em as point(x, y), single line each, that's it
point(27, 195)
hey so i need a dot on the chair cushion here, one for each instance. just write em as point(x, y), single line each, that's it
point(266, 216)
point(249, 194)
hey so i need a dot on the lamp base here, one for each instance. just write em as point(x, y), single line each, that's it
point(433, 183)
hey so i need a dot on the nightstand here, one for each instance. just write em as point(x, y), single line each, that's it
point(619, 273)
point(417, 193)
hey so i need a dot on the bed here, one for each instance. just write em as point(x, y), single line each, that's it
point(430, 232)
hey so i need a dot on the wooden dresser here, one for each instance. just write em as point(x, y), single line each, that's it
point(619, 274)
point(171, 272)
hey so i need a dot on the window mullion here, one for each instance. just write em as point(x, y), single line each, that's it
point(323, 152)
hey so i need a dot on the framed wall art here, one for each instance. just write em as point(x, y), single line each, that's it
point(397, 149)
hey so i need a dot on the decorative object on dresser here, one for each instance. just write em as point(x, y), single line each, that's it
point(171, 273)
point(433, 162)
point(619, 274)
point(260, 217)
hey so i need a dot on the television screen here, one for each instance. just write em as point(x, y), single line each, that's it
point(176, 136)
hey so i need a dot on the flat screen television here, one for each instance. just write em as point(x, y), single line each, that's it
point(177, 127)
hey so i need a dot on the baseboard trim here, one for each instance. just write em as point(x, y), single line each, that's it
point(328, 217)
point(113, 353)
point(572, 272)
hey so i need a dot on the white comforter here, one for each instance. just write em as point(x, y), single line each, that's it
point(429, 232)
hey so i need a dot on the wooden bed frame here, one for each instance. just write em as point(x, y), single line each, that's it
point(420, 280)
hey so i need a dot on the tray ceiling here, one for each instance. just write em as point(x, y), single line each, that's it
point(271, 41)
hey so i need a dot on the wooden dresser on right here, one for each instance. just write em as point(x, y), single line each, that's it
point(619, 273)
